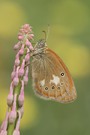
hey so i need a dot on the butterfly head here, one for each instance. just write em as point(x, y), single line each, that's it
point(41, 44)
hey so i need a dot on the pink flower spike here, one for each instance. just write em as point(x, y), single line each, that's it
point(21, 70)
point(13, 113)
point(21, 51)
point(16, 79)
point(21, 96)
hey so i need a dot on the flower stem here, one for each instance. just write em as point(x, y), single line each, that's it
point(19, 77)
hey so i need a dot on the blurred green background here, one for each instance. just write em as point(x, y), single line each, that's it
point(70, 38)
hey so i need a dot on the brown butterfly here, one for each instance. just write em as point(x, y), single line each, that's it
point(51, 78)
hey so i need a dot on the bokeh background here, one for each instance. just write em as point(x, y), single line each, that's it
point(70, 38)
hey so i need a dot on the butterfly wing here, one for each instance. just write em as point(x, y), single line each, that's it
point(51, 78)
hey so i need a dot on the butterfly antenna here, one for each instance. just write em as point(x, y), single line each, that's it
point(46, 34)
point(48, 31)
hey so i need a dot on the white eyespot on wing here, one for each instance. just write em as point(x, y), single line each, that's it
point(55, 80)
point(42, 83)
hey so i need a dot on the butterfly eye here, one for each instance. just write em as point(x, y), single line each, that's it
point(46, 88)
point(62, 74)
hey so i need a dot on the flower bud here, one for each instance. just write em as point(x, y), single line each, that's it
point(10, 99)
point(27, 57)
point(21, 96)
point(15, 81)
point(17, 46)
point(21, 51)
point(12, 116)
point(13, 113)
point(20, 37)
point(17, 62)
point(21, 70)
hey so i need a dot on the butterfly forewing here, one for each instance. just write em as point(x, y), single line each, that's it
point(51, 78)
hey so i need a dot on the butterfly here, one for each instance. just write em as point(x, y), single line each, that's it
point(50, 76)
